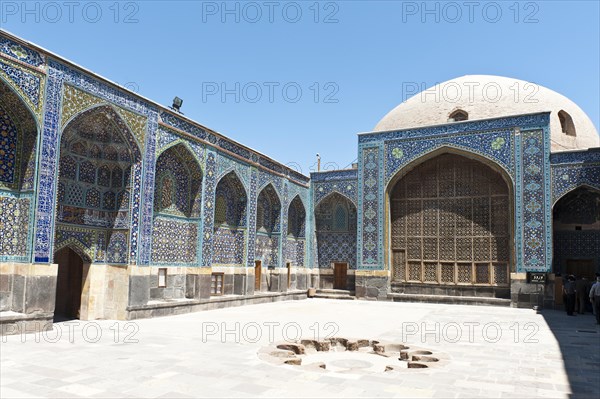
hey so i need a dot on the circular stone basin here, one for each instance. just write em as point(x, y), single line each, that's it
point(350, 356)
point(352, 361)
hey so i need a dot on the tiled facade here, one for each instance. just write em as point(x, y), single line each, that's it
point(575, 175)
point(126, 182)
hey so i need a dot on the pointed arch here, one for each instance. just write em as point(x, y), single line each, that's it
point(336, 192)
point(177, 205)
point(325, 213)
point(576, 232)
point(77, 247)
point(187, 146)
point(230, 238)
point(274, 187)
point(449, 220)
point(449, 149)
point(233, 192)
point(19, 146)
point(296, 218)
point(566, 123)
point(113, 118)
point(576, 187)
point(268, 226)
point(586, 209)
point(178, 180)
point(93, 196)
point(458, 115)
point(20, 142)
point(239, 178)
point(7, 85)
point(268, 210)
point(295, 248)
point(336, 242)
point(233, 174)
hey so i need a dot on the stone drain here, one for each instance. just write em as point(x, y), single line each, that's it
point(342, 355)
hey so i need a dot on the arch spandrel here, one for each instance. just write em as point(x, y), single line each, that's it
point(26, 84)
point(77, 102)
point(336, 192)
point(404, 161)
point(77, 247)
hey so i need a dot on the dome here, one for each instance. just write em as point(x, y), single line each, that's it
point(474, 97)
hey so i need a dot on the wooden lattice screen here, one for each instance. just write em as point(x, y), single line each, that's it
point(450, 224)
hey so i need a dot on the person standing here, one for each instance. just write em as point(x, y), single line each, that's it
point(595, 299)
point(581, 286)
point(569, 293)
point(592, 300)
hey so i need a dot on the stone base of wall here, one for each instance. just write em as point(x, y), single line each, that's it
point(12, 323)
point(371, 284)
point(27, 296)
point(27, 287)
point(527, 295)
point(450, 299)
point(450, 290)
point(375, 285)
point(276, 280)
point(326, 279)
point(181, 283)
point(28, 291)
point(216, 302)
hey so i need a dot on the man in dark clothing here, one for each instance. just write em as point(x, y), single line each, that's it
point(569, 293)
point(595, 299)
point(581, 286)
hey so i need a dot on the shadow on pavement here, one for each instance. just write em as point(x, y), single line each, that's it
point(579, 340)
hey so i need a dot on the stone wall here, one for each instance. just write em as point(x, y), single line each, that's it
point(527, 295)
point(28, 288)
point(372, 284)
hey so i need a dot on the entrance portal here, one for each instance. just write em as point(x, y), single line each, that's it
point(450, 227)
point(576, 228)
point(68, 285)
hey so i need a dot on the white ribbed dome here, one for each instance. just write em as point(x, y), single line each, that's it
point(486, 96)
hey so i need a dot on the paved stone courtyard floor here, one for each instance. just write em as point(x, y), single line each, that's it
point(489, 351)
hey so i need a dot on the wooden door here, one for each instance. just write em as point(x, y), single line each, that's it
point(340, 273)
point(289, 275)
point(558, 290)
point(581, 268)
point(257, 274)
point(68, 284)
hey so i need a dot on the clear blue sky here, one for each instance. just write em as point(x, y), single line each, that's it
point(359, 53)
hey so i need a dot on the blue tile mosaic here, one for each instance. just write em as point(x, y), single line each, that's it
point(21, 53)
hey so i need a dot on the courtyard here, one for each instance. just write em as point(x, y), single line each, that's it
point(483, 351)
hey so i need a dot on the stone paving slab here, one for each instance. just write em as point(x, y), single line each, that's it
point(492, 352)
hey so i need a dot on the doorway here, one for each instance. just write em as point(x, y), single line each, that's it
point(257, 274)
point(340, 274)
point(581, 268)
point(68, 285)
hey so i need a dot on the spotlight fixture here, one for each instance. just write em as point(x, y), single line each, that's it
point(177, 102)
